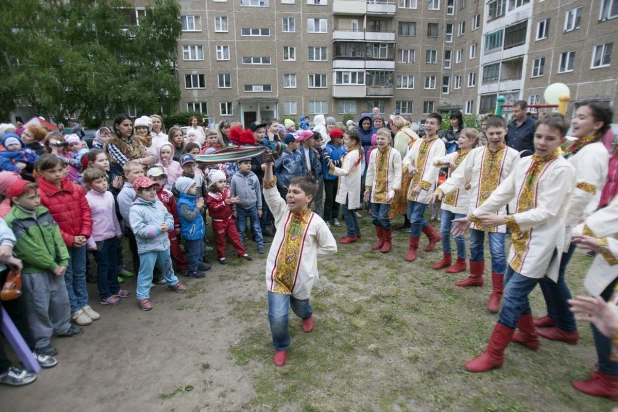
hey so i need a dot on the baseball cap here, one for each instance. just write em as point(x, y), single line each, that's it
point(256, 125)
point(289, 138)
point(142, 182)
point(18, 188)
point(397, 111)
point(336, 133)
point(154, 171)
point(186, 158)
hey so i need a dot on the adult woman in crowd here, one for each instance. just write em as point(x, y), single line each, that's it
point(32, 137)
point(194, 125)
point(450, 135)
point(101, 137)
point(158, 131)
point(124, 146)
point(224, 130)
point(143, 130)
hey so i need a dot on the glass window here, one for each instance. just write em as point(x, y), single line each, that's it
point(288, 25)
point(405, 81)
point(225, 108)
point(538, 66)
point(224, 80)
point(289, 53)
point(317, 25)
point(346, 106)
point(289, 108)
point(602, 55)
point(567, 59)
point(407, 29)
point(289, 81)
point(221, 24)
point(542, 29)
point(573, 19)
point(195, 81)
point(318, 107)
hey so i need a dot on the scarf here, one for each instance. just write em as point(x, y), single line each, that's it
point(146, 140)
point(132, 149)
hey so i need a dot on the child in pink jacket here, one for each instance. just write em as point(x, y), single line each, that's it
point(171, 167)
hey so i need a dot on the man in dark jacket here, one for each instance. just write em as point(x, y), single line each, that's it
point(521, 129)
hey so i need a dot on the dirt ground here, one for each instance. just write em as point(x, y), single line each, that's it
point(390, 335)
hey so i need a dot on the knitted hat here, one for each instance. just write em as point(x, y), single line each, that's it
point(72, 138)
point(11, 140)
point(183, 184)
point(330, 120)
point(142, 182)
point(281, 128)
point(186, 158)
point(216, 176)
point(336, 133)
point(350, 123)
point(18, 188)
point(6, 178)
point(144, 121)
point(288, 123)
point(289, 138)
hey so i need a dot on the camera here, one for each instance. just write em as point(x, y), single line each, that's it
point(58, 143)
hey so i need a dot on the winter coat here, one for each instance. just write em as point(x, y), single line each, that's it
point(69, 208)
point(319, 125)
point(169, 201)
point(191, 222)
point(288, 166)
point(217, 208)
point(314, 161)
point(9, 158)
point(145, 217)
point(303, 124)
point(173, 170)
point(335, 153)
point(247, 188)
point(36, 147)
point(365, 135)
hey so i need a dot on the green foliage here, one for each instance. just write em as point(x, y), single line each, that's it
point(470, 120)
point(87, 57)
point(180, 118)
point(346, 117)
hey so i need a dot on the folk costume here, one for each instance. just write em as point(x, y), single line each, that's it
point(348, 193)
point(404, 141)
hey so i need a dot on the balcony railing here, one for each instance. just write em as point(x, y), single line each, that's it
point(381, 7)
point(379, 90)
point(351, 35)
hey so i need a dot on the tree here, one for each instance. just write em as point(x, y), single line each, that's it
point(88, 57)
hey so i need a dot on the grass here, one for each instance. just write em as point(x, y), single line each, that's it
point(393, 335)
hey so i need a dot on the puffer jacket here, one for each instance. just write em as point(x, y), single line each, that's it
point(145, 217)
point(365, 135)
point(191, 222)
point(335, 153)
point(217, 208)
point(69, 208)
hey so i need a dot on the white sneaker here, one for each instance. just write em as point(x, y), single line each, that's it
point(81, 318)
point(91, 313)
point(336, 222)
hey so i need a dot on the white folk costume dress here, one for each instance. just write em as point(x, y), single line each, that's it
point(540, 188)
point(456, 202)
point(484, 170)
point(422, 156)
point(349, 179)
point(292, 264)
point(383, 174)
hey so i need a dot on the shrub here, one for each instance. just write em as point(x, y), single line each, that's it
point(182, 118)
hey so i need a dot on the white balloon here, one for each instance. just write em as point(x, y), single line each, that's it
point(554, 91)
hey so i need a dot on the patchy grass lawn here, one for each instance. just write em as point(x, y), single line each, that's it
point(393, 335)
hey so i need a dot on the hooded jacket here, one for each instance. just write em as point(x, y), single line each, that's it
point(247, 188)
point(24, 155)
point(173, 170)
point(303, 124)
point(145, 217)
point(191, 222)
point(365, 135)
point(288, 166)
point(335, 153)
point(319, 125)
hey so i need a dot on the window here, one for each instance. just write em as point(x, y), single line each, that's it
point(317, 2)
point(317, 54)
point(513, 4)
point(472, 79)
point(459, 56)
point(566, 62)
point(515, 35)
point(350, 77)
point(405, 56)
point(289, 81)
point(355, 24)
point(609, 10)
point(195, 81)
point(221, 24)
point(287, 24)
point(254, 3)
point(447, 59)
point(488, 103)
point(405, 81)
point(289, 53)
point(380, 50)
point(473, 50)
point(317, 107)
point(432, 29)
point(430, 82)
point(493, 41)
point(446, 84)
point(407, 29)
point(404, 107)
point(458, 81)
point(602, 55)
point(223, 52)
point(225, 81)
point(542, 29)
point(573, 19)
point(256, 60)
point(192, 53)
point(346, 106)
point(538, 65)
point(190, 23)
point(407, 4)
point(434, 5)
point(288, 1)
point(289, 108)
point(495, 9)
point(225, 108)
point(377, 26)
point(316, 25)
point(431, 56)
point(132, 111)
point(200, 107)
point(450, 7)
point(380, 78)
point(461, 29)
point(375, 103)
point(139, 12)
point(258, 88)
point(476, 21)
point(491, 73)
point(255, 32)
point(317, 81)
point(427, 107)
point(469, 106)
point(449, 33)
point(534, 99)
point(462, 4)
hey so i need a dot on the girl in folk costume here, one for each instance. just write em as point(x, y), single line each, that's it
point(404, 140)
point(539, 187)
point(591, 159)
point(484, 169)
point(455, 205)
point(348, 193)
point(419, 163)
point(382, 183)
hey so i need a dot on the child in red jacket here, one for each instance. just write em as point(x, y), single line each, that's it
point(219, 204)
point(68, 206)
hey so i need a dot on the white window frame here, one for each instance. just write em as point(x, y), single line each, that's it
point(257, 60)
point(570, 57)
point(184, 22)
point(322, 25)
point(288, 1)
point(192, 53)
point(221, 24)
point(572, 19)
point(457, 84)
point(404, 106)
point(254, 3)
point(132, 111)
point(317, 2)
point(450, 7)
point(258, 88)
point(405, 81)
point(446, 84)
point(406, 55)
point(289, 81)
point(601, 50)
point(448, 58)
point(323, 109)
point(347, 106)
point(226, 109)
point(433, 5)
point(375, 103)
point(202, 108)
point(349, 78)
point(409, 25)
point(448, 34)
point(538, 67)
point(290, 107)
point(469, 107)
point(260, 32)
point(222, 51)
point(461, 28)
point(318, 49)
point(196, 78)
point(222, 79)
point(289, 23)
point(311, 79)
point(476, 21)
point(458, 56)
point(474, 48)
point(431, 56)
point(606, 8)
point(542, 29)
point(408, 4)
point(291, 52)
point(430, 82)
point(428, 107)
point(472, 79)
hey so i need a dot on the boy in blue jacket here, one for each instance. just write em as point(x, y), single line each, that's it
point(289, 165)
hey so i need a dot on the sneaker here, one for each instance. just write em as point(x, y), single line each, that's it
point(203, 267)
point(223, 261)
point(44, 360)
point(144, 304)
point(122, 293)
point(268, 232)
point(125, 273)
point(196, 274)
point(71, 332)
point(48, 351)
point(91, 313)
point(247, 256)
point(205, 259)
point(17, 377)
point(328, 224)
point(336, 222)
point(81, 318)
point(178, 287)
point(112, 300)
point(261, 250)
point(160, 282)
point(120, 280)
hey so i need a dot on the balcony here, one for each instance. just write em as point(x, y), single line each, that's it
point(379, 36)
point(381, 7)
point(384, 91)
point(350, 7)
point(352, 35)
point(349, 90)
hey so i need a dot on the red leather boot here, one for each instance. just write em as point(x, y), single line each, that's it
point(434, 237)
point(599, 384)
point(493, 357)
point(527, 335)
point(544, 322)
point(459, 266)
point(307, 324)
point(476, 275)
point(388, 241)
point(497, 282)
point(559, 335)
point(411, 257)
point(380, 234)
point(280, 357)
point(444, 263)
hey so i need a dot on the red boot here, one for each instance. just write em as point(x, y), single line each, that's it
point(459, 266)
point(527, 335)
point(348, 239)
point(476, 275)
point(388, 241)
point(359, 235)
point(493, 357)
point(544, 322)
point(380, 234)
point(280, 357)
point(434, 237)
point(308, 324)
point(413, 248)
point(599, 384)
point(444, 263)
point(559, 335)
point(497, 282)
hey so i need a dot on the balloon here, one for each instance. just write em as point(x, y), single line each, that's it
point(554, 91)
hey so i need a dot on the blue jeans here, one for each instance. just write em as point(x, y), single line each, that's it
point(351, 220)
point(602, 343)
point(515, 302)
point(75, 278)
point(496, 249)
point(445, 231)
point(147, 263)
point(195, 249)
point(241, 224)
point(416, 216)
point(278, 308)
point(379, 215)
point(107, 271)
point(556, 295)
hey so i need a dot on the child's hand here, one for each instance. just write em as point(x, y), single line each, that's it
point(259, 213)
point(79, 241)
point(117, 182)
point(15, 263)
point(234, 214)
point(60, 270)
point(21, 165)
point(177, 230)
point(200, 202)
point(234, 199)
point(164, 227)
